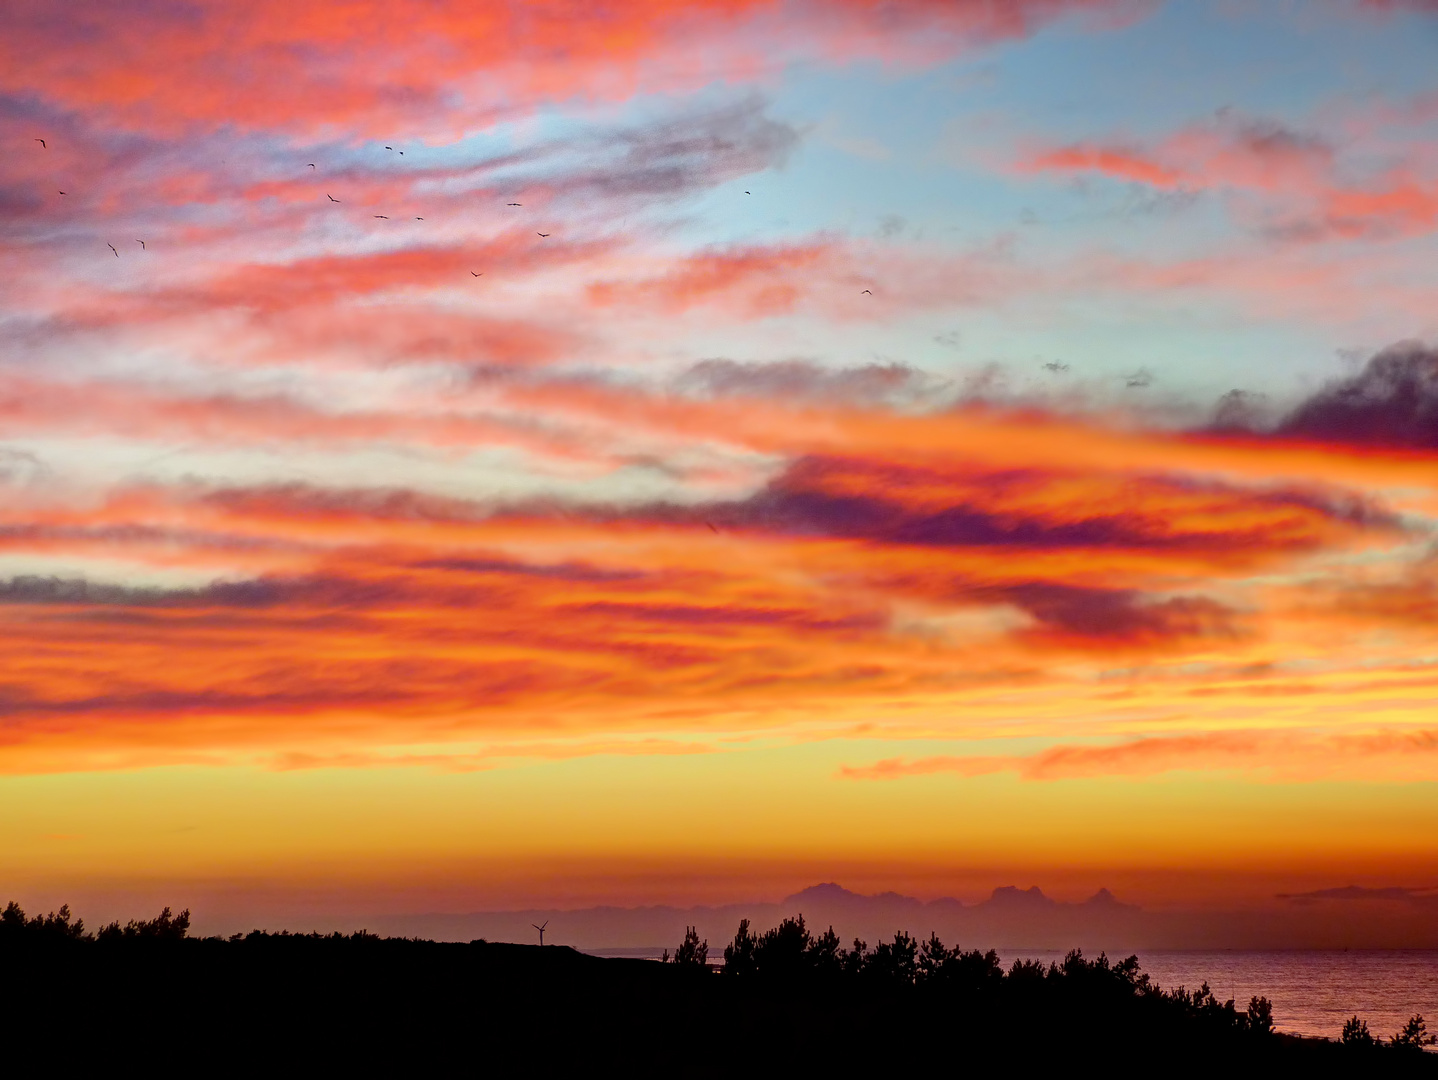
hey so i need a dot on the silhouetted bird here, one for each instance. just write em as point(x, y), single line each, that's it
point(419, 219)
point(62, 193)
point(330, 197)
point(867, 291)
point(711, 526)
point(389, 147)
point(748, 193)
point(384, 217)
point(473, 274)
point(1055, 366)
point(312, 164)
point(112, 248)
point(541, 234)
point(142, 244)
point(42, 144)
point(514, 204)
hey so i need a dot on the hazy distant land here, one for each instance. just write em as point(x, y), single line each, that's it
point(1011, 918)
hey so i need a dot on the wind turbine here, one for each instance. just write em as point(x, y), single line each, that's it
point(541, 931)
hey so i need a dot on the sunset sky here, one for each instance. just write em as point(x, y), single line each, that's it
point(641, 452)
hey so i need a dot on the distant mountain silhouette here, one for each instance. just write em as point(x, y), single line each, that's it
point(1012, 898)
point(1012, 919)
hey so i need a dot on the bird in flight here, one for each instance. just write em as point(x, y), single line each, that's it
point(515, 204)
point(870, 292)
point(541, 234)
point(1056, 366)
point(383, 216)
point(312, 164)
point(711, 526)
point(62, 193)
point(389, 147)
point(42, 144)
point(419, 219)
point(112, 248)
point(473, 274)
point(142, 245)
point(330, 197)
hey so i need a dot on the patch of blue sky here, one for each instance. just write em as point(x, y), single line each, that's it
point(925, 159)
point(1279, 58)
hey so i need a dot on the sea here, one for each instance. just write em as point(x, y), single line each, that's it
point(1313, 992)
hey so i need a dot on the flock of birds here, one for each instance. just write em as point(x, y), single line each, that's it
point(1054, 367)
point(1138, 380)
point(45, 146)
point(381, 217)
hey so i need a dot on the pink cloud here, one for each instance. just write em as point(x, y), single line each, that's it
point(1293, 182)
point(363, 68)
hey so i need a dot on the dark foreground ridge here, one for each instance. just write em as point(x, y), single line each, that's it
point(782, 1001)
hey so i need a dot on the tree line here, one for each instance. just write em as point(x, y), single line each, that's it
point(59, 927)
point(795, 993)
point(790, 956)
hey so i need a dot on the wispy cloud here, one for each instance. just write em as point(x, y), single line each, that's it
point(1291, 757)
point(408, 350)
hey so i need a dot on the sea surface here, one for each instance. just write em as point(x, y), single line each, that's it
point(1312, 992)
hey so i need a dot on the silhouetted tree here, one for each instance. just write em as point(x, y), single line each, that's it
point(894, 963)
point(1027, 971)
point(164, 927)
point(826, 955)
point(1413, 1035)
point(1129, 971)
point(783, 952)
point(1260, 1015)
point(739, 954)
point(954, 969)
point(693, 953)
point(932, 958)
point(854, 959)
point(16, 929)
point(1356, 1033)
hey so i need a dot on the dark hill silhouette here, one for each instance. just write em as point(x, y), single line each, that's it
point(786, 1000)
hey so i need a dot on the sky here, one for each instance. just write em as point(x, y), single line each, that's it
point(467, 454)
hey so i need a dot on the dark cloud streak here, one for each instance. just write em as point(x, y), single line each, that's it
point(1392, 402)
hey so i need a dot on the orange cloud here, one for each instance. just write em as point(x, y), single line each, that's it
point(1384, 754)
point(391, 618)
